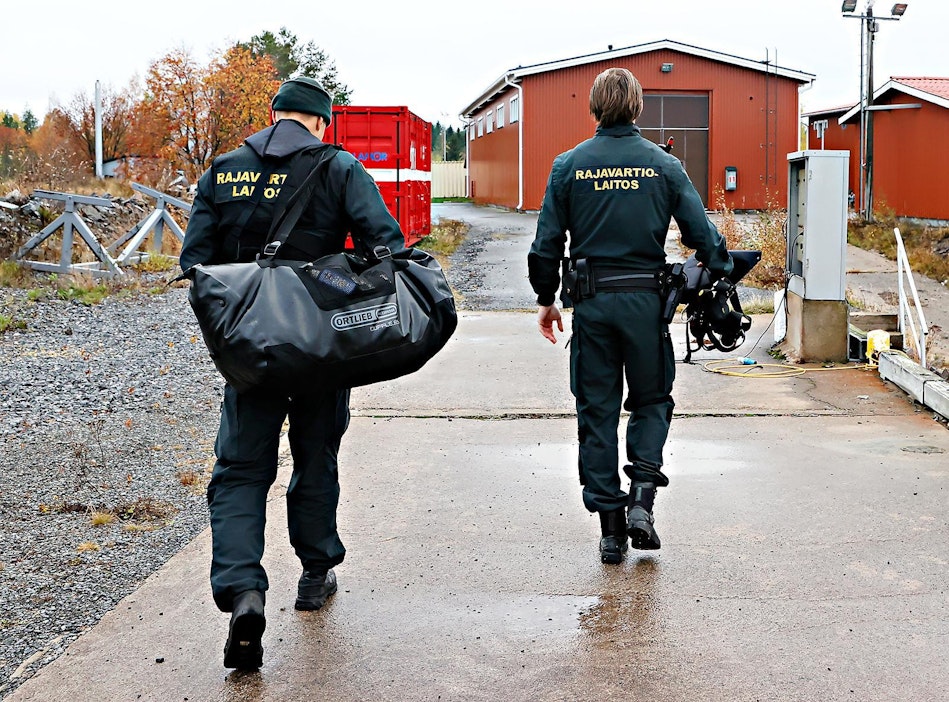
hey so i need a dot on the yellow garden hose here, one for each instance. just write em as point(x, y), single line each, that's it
point(734, 367)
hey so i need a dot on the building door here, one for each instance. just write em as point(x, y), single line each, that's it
point(685, 118)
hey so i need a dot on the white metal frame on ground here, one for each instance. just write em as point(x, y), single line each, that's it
point(905, 316)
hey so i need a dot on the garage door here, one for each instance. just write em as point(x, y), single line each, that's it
point(684, 117)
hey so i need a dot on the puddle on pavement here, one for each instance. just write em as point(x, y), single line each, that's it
point(629, 608)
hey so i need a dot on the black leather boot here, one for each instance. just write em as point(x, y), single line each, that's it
point(314, 588)
point(243, 649)
point(639, 519)
point(613, 539)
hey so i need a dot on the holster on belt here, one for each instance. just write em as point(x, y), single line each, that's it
point(576, 281)
point(671, 283)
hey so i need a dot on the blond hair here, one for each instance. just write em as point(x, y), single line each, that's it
point(616, 97)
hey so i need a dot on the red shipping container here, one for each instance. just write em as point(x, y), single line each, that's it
point(395, 147)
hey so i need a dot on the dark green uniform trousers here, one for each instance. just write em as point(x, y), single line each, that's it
point(246, 448)
point(613, 333)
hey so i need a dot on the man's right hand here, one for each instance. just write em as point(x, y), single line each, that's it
point(546, 317)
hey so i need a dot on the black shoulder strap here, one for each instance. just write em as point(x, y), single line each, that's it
point(287, 213)
point(241, 222)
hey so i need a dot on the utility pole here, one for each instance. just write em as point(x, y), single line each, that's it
point(98, 111)
point(869, 26)
point(872, 28)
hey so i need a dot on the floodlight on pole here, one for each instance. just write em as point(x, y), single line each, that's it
point(869, 26)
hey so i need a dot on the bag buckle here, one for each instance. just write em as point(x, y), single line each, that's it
point(381, 252)
point(271, 248)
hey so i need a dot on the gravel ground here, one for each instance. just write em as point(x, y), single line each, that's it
point(110, 408)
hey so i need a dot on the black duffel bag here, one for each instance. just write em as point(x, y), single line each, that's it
point(340, 321)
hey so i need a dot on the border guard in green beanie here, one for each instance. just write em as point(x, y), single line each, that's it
point(304, 95)
point(230, 219)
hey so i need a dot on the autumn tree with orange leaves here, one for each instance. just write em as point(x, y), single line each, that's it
point(191, 113)
point(243, 85)
point(186, 114)
point(57, 153)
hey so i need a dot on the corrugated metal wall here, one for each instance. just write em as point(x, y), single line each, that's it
point(910, 153)
point(448, 179)
point(493, 171)
point(753, 126)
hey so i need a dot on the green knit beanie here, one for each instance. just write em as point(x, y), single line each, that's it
point(304, 95)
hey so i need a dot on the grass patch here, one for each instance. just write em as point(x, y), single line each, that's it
point(15, 275)
point(88, 546)
point(759, 307)
point(83, 288)
point(8, 323)
point(86, 295)
point(146, 509)
point(927, 247)
point(140, 527)
point(156, 263)
point(445, 237)
point(101, 518)
point(450, 199)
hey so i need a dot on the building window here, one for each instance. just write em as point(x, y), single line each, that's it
point(480, 126)
point(500, 115)
point(515, 109)
point(489, 119)
point(471, 132)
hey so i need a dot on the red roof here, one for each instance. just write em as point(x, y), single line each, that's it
point(933, 86)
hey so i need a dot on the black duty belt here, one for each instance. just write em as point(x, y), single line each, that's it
point(612, 279)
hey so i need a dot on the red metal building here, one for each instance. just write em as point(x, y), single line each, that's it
point(725, 112)
point(394, 145)
point(910, 145)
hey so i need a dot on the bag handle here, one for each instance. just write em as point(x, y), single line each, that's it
point(286, 218)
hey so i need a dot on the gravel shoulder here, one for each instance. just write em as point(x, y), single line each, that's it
point(108, 409)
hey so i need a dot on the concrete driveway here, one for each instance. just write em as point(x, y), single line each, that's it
point(804, 549)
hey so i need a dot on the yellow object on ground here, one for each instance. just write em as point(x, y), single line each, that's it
point(877, 341)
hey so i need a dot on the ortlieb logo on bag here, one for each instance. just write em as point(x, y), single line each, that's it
point(377, 316)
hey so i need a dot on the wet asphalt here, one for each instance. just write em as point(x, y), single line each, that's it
point(804, 542)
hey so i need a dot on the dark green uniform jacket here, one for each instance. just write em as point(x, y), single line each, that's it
point(348, 202)
point(615, 193)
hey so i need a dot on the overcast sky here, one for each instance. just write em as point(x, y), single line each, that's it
point(437, 57)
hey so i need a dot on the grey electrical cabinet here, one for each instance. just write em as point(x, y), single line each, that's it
point(817, 224)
